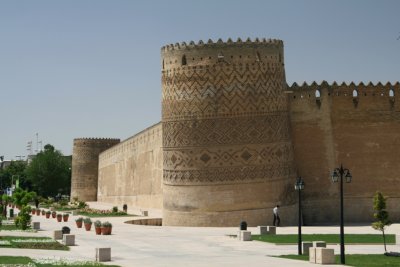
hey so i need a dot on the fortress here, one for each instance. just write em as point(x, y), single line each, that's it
point(234, 137)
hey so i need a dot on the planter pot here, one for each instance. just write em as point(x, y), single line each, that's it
point(65, 218)
point(43, 212)
point(38, 212)
point(106, 230)
point(59, 218)
point(54, 215)
point(98, 230)
point(33, 212)
point(88, 226)
point(47, 215)
point(78, 224)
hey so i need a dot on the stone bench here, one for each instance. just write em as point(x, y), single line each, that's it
point(319, 244)
point(57, 235)
point(322, 255)
point(68, 240)
point(36, 225)
point(267, 230)
point(306, 245)
point(244, 235)
point(103, 254)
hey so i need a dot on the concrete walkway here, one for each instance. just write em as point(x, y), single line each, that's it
point(136, 245)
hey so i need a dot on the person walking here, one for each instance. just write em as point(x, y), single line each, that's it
point(277, 220)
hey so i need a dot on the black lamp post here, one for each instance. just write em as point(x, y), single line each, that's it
point(298, 186)
point(341, 173)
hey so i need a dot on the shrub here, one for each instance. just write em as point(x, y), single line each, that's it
point(97, 223)
point(82, 205)
point(79, 219)
point(106, 224)
point(115, 209)
point(87, 220)
point(23, 219)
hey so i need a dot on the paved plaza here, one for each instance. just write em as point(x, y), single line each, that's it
point(136, 245)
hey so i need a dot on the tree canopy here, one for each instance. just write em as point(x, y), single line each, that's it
point(50, 172)
point(16, 169)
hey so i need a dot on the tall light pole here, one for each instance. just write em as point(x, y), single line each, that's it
point(336, 174)
point(298, 186)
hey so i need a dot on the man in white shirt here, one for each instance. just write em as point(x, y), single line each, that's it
point(277, 220)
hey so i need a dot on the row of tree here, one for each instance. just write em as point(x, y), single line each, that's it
point(48, 174)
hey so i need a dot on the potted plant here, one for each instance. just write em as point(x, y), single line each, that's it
point(53, 214)
point(65, 217)
point(97, 227)
point(88, 223)
point(43, 212)
point(79, 222)
point(33, 211)
point(37, 212)
point(106, 228)
point(48, 214)
point(59, 217)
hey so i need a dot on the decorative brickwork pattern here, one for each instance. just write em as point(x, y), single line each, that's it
point(229, 104)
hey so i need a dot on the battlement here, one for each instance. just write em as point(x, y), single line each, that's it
point(361, 85)
point(185, 56)
point(96, 141)
point(220, 43)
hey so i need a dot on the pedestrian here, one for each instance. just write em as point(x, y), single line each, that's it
point(277, 220)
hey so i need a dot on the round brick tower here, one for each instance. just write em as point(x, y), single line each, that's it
point(85, 161)
point(228, 154)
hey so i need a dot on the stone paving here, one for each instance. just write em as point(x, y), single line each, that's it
point(136, 245)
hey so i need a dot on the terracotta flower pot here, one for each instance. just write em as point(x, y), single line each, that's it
point(54, 215)
point(78, 224)
point(106, 230)
point(59, 218)
point(65, 218)
point(47, 215)
point(88, 226)
point(98, 230)
point(33, 212)
point(38, 212)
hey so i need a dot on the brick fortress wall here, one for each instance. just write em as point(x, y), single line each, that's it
point(227, 148)
point(357, 125)
point(131, 172)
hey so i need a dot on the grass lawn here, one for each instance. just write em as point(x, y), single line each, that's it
point(358, 260)
point(12, 227)
point(26, 260)
point(30, 242)
point(328, 238)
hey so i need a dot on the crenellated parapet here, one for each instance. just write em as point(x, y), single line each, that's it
point(324, 89)
point(247, 54)
point(85, 160)
point(361, 96)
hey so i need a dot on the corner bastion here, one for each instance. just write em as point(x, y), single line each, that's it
point(227, 148)
point(85, 164)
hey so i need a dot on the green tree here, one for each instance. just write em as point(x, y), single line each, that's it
point(381, 215)
point(16, 170)
point(50, 172)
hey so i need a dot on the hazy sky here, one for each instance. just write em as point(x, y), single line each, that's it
point(83, 68)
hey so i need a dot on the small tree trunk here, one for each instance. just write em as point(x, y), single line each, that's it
point(384, 239)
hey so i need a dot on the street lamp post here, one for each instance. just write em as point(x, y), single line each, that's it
point(298, 186)
point(341, 173)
